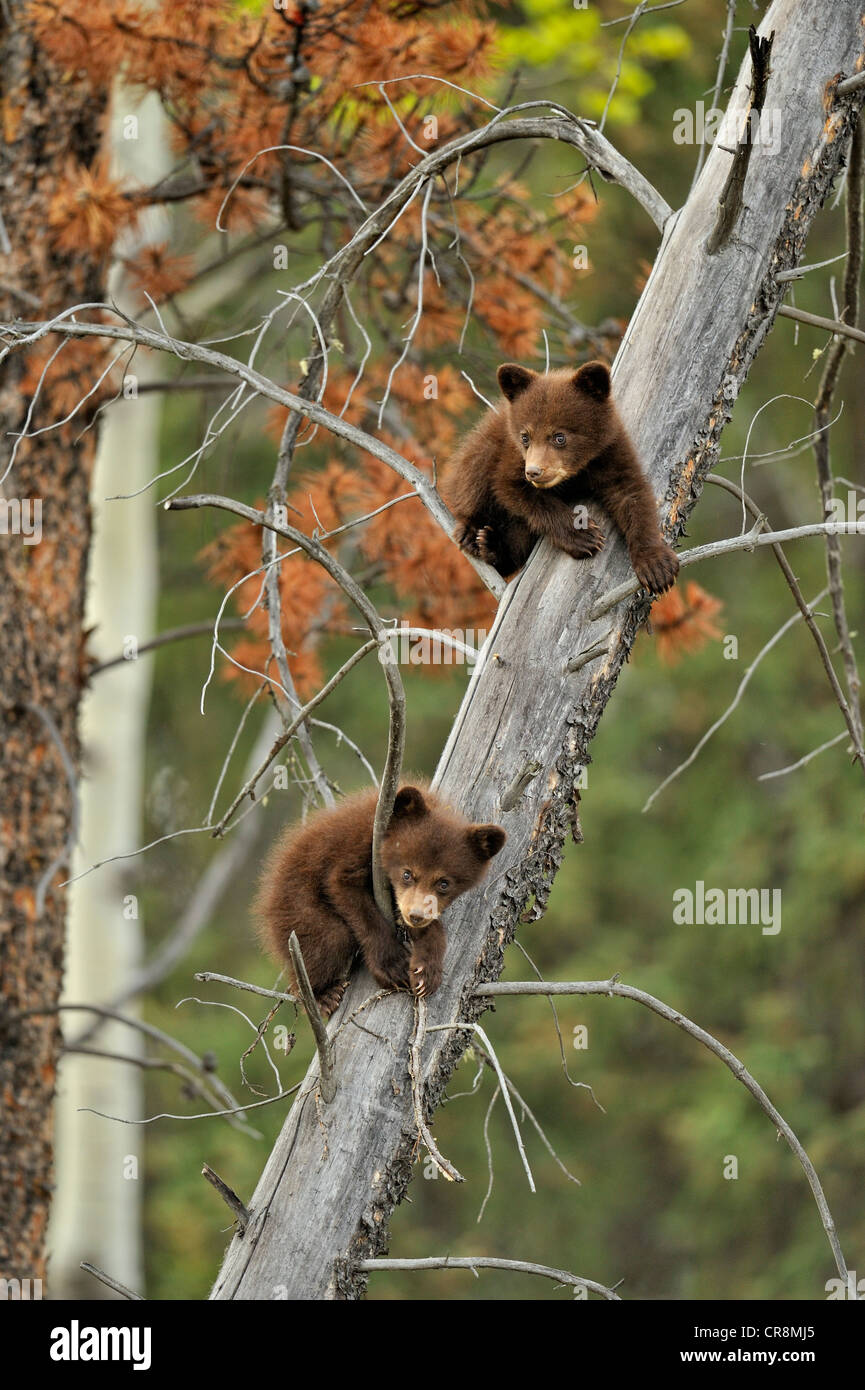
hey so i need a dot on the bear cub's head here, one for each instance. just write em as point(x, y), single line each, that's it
point(560, 420)
point(431, 855)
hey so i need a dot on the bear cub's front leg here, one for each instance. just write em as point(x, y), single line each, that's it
point(427, 960)
point(387, 960)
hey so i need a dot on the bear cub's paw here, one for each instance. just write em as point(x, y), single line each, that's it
point(656, 568)
point(330, 999)
point(426, 975)
point(466, 537)
point(391, 970)
point(485, 541)
point(477, 542)
point(587, 540)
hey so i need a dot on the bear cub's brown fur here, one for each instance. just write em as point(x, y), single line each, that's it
point(557, 443)
point(317, 882)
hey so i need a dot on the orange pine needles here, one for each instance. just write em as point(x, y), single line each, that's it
point(237, 79)
point(88, 211)
point(159, 273)
point(683, 623)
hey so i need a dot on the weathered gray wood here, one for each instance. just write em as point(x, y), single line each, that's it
point(336, 1170)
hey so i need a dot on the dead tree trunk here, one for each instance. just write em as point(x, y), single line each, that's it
point(51, 121)
point(338, 1169)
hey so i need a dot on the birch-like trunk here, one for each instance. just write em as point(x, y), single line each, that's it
point(337, 1169)
point(96, 1213)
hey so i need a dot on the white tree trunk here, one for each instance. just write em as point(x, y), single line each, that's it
point(96, 1213)
point(338, 1169)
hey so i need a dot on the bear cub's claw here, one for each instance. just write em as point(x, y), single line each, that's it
point(426, 979)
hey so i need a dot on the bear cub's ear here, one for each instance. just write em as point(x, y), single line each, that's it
point(594, 379)
point(409, 804)
point(486, 840)
point(513, 379)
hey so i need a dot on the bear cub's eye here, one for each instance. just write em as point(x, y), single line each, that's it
point(443, 885)
point(559, 440)
point(525, 439)
point(407, 876)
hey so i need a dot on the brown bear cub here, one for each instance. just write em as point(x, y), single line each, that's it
point(528, 470)
point(317, 882)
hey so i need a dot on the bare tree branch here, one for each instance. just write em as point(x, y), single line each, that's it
point(475, 1262)
point(323, 1045)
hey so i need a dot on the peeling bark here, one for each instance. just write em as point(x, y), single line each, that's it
point(49, 119)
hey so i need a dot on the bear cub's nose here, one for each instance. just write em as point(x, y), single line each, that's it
point(533, 471)
point(417, 919)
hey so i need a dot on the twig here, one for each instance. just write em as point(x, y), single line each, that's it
point(110, 1283)
point(797, 271)
point(719, 78)
point(489, 1148)
point(635, 16)
point(577, 1085)
point(209, 977)
point(818, 321)
point(522, 779)
point(733, 705)
point(415, 1067)
point(793, 767)
point(257, 1029)
point(843, 705)
point(284, 736)
point(614, 987)
point(822, 411)
point(731, 201)
point(592, 653)
point(229, 1196)
point(646, 9)
point(220, 873)
point(559, 1276)
point(850, 84)
point(503, 1083)
point(323, 1044)
point(201, 1064)
point(174, 634)
point(237, 1110)
point(529, 1113)
point(146, 1064)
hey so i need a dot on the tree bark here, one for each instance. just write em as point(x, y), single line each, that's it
point(337, 1169)
point(51, 121)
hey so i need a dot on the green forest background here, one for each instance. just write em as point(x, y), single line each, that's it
point(654, 1209)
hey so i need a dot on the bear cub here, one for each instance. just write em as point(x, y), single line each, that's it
point(317, 882)
point(558, 443)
